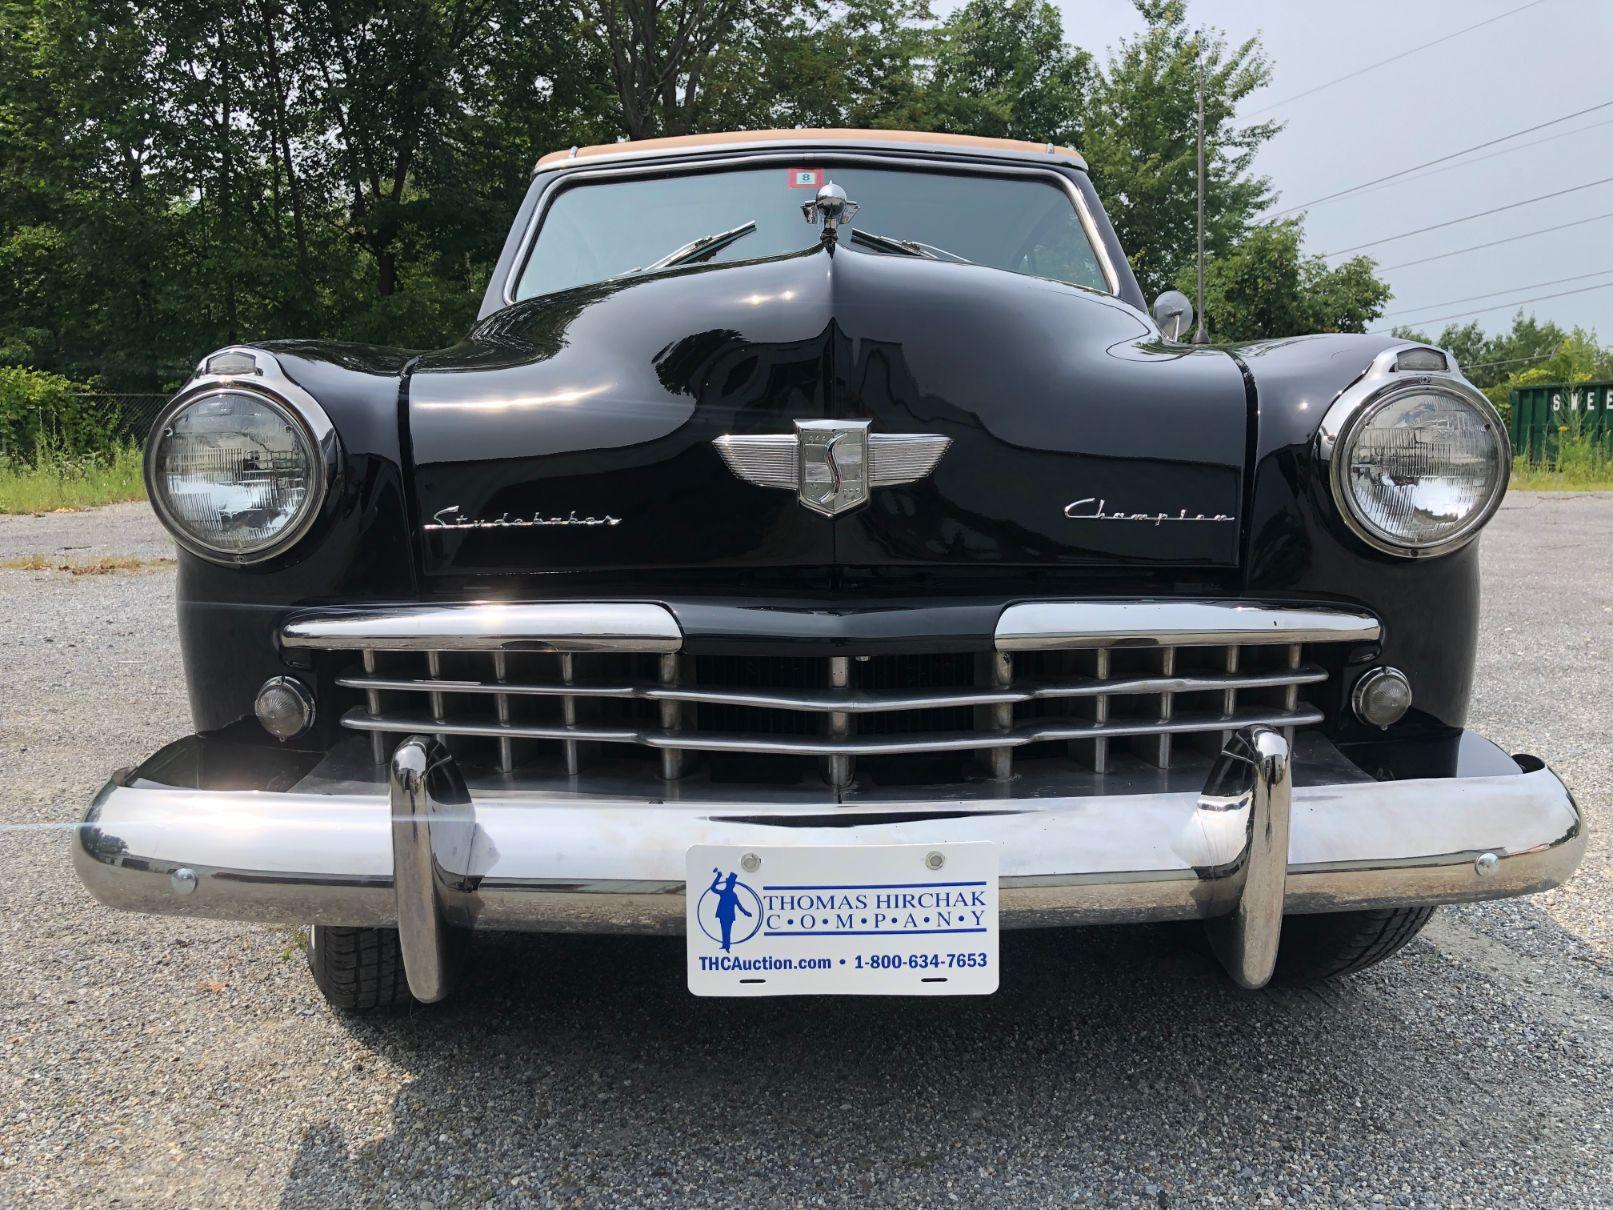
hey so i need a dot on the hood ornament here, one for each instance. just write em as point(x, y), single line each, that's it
point(831, 207)
point(832, 465)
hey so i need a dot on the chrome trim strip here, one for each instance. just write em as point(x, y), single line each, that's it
point(1064, 625)
point(631, 152)
point(684, 162)
point(849, 701)
point(557, 863)
point(489, 626)
point(358, 719)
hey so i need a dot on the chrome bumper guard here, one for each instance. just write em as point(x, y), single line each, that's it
point(1242, 853)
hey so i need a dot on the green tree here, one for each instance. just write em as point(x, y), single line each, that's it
point(1005, 70)
point(174, 176)
point(674, 63)
point(177, 174)
point(1138, 136)
point(1266, 287)
point(850, 63)
point(1491, 361)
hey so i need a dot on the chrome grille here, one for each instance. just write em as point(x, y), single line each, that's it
point(559, 688)
point(764, 719)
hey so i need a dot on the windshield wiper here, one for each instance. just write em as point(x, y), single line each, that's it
point(905, 247)
point(698, 249)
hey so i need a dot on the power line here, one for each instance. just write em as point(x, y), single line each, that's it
point(1479, 159)
point(1467, 218)
point(1579, 222)
point(1442, 159)
point(1437, 319)
point(1451, 302)
point(1510, 361)
point(1392, 59)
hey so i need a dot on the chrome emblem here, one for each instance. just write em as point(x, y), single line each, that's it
point(453, 517)
point(1093, 508)
point(832, 465)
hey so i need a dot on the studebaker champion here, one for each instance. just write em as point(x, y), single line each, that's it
point(817, 548)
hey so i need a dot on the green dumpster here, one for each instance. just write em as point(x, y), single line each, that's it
point(1545, 412)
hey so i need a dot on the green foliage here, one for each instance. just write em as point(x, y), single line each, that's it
point(1509, 359)
point(1577, 357)
point(1005, 71)
point(54, 479)
point(1531, 352)
point(176, 177)
point(1581, 462)
point(1265, 286)
point(1138, 137)
point(39, 417)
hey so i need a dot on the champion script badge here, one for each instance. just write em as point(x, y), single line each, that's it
point(1093, 508)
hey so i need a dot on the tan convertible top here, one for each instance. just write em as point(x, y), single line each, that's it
point(929, 140)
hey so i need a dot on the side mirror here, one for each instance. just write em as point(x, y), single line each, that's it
point(1173, 312)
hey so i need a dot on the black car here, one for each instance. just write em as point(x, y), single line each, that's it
point(816, 548)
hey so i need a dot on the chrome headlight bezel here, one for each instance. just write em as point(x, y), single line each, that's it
point(268, 385)
point(1381, 386)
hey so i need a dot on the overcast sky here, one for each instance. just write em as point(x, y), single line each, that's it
point(1546, 61)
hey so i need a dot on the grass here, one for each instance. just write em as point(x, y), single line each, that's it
point(1582, 464)
point(55, 481)
point(1537, 478)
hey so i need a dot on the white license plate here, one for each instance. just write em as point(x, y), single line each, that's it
point(857, 920)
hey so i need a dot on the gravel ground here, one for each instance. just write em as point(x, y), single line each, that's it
point(151, 1060)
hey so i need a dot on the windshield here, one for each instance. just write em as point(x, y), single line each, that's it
point(605, 228)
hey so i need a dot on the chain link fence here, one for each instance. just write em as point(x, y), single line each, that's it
point(122, 418)
point(77, 424)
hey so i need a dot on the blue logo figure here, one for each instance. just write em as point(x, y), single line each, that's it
point(723, 902)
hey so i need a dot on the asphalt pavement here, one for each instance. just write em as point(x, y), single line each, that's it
point(147, 1060)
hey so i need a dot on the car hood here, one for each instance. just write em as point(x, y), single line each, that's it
point(576, 431)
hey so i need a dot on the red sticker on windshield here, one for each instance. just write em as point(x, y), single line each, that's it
point(808, 178)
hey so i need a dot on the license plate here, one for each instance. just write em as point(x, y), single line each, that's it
point(857, 920)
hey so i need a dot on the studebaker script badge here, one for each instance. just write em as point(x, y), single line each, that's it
point(453, 518)
point(832, 465)
point(1093, 508)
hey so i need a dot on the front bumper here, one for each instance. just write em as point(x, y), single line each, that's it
point(507, 859)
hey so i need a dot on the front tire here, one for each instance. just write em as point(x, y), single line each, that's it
point(1332, 944)
point(358, 969)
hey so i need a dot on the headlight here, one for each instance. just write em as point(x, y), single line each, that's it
point(237, 474)
point(1418, 469)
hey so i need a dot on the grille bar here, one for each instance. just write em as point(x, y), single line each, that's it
point(839, 729)
point(372, 699)
point(1100, 710)
point(1073, 625)
point(851, 701)
point(506, 750)
point(1000, 717)
point(1296, 653)
point(551, 626)
point(1162, 750)
point(671, 719)
point(857, 745)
